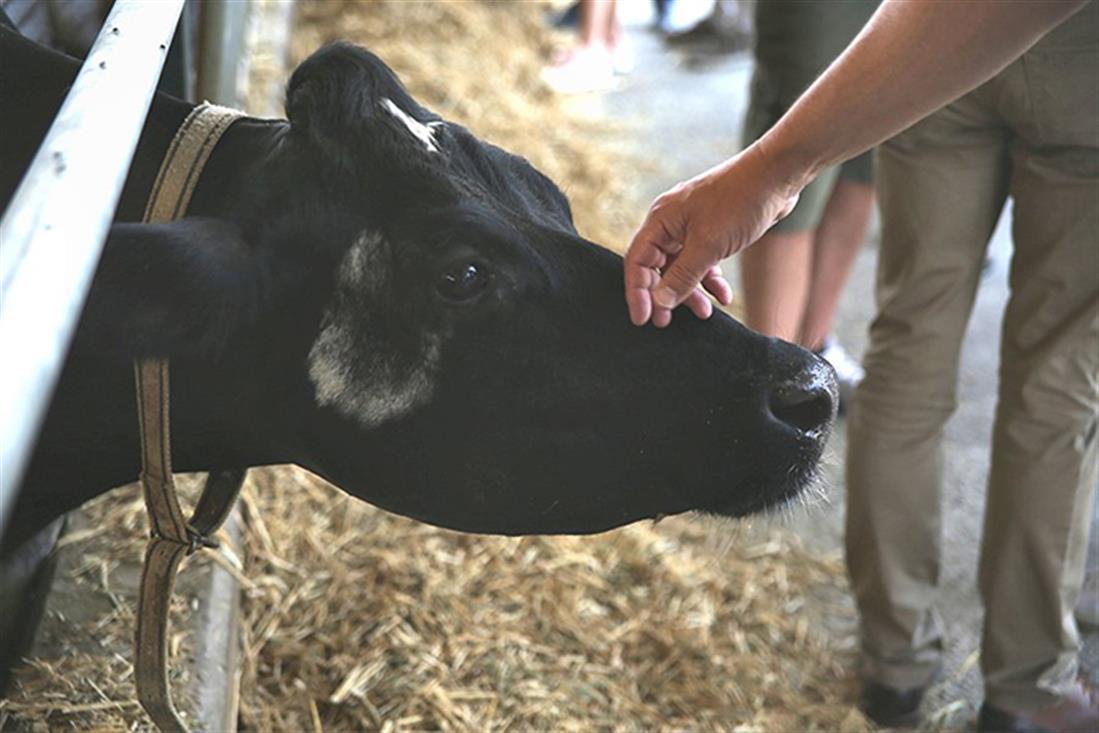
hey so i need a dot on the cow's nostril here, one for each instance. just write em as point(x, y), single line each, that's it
point(806, 409)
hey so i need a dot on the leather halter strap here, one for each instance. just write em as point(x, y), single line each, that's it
point(171, 536)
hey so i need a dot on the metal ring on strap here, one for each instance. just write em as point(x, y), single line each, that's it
point(171, 536)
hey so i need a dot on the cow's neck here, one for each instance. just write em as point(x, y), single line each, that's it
point(89, 441)
point(231, 165)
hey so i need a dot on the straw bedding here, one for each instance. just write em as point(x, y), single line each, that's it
point(355, 619)
point(361, 620)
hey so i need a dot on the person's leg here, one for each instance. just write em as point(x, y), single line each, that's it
point(837, 241)
point(835, 245)
point(597, 23)
point(942, 184)
point(774, 277)
point(1044, 455)
point(775, 272)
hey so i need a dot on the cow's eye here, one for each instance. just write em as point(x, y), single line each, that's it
point(461, 283)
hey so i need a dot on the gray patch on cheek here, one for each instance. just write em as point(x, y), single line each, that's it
point(373, 392)
point(361, 366)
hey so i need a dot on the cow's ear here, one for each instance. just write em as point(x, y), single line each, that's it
point(185, 287)
point(346, 101)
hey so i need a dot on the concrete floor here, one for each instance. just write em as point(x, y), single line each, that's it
point(688, 105)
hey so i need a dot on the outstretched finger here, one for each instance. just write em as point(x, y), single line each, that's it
point(683, 275)
point(661, 317)
point(639, 283)
point(647, 253)
point(716, 285)
point(699, 304)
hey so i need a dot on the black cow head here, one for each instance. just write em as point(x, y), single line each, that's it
point(423, 326)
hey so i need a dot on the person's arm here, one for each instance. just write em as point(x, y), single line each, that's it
point(912, 58)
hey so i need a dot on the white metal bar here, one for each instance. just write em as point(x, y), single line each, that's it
point(52, 234)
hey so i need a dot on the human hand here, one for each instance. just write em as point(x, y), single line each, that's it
point(673, 258)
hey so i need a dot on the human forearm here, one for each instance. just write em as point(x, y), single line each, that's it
point(913, 57)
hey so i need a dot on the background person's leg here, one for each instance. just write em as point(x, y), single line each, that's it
point(597, 23)
point(836, 243)
point(942, 185)
point(774, 278)
point(775, 271)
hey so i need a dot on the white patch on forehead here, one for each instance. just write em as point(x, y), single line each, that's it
point(423, 133)
point(355, 366)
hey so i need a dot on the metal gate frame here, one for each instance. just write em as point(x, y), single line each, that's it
point(52, 234)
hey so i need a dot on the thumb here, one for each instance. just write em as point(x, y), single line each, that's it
point(684, 275)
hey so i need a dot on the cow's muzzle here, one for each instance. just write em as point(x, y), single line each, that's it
point(805, 402)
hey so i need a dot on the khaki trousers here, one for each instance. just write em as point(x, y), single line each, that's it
point(1032, 133)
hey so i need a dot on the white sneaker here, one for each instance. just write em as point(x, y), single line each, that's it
point(849, 372)
point(588, 69)
point(623, 57)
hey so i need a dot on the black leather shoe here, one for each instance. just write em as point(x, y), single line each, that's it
point(993, 720)
point(892, 708)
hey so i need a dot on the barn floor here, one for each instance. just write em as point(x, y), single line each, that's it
point(689, 104)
